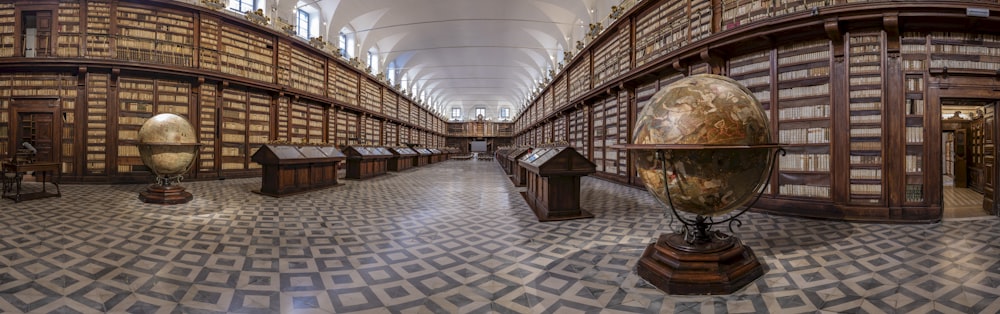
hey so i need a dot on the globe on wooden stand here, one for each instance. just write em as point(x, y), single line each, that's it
point(167, 145)
point(703, 148)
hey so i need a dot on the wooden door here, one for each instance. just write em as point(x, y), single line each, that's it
point(989, 159)
point(38, 128)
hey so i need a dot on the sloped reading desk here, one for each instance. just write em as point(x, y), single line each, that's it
point(291, 169)
point(519, 174)
point(364, 162)
point(424, 156)
point(553, 177)
point(402, 158)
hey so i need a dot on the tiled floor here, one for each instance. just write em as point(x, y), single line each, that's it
point(962, 203)
point(450, 238)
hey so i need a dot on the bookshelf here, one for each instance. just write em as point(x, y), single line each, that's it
point(560, 96)
point(208, 52)
point(347, 128)
point(390, 136)
point(579, 77)
point(98, 29)
point(661, 29)
point(913, 47)
point(298, 122)
point(736, 13)
point(68, 19)
point(157, 36)
point(803, 115)
point(316, 123)
point(372, 131)
point(753, 70)
point(136, 104)
point(97, 123)
point(371, 96)
point(300, 69)
point(579, 130)
point(611, 57)
point(207, 128)
point(866, 115)
point(403, 113)
point(233, 154)
point(283, 118)
point(246, 53)
point(258, 123)
point(700, 15)
point(404, 135)
point(68, 101)
point(390, 103)
point(976, 159)
point(978, 53)
point(7, 31)
point(346, 82)
point(559, 129)
point(5, 120)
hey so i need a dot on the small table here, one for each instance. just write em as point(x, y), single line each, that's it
point(39, 167)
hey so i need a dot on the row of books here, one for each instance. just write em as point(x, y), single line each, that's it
point(804, 162)
point(866, 93)
point(807, 112)
point(866, 160)
point(866, 132)
point(823, 71)
point(915, 106)
point(866, 106)
point(865, 80)
point(965, 36)
point(806, 57)
point(125, 150)
point(914, 134)
point(132, 120)
point(914, 65)
point(914, 163)
point(966, 50)
point(866, 146)
point(804, 190)
point(961, 64)
point(914, 193)
point(804, 136)
point(866, 174)
point(913, 48)
point(866, 189)
point(804, 91)
point(864, 69)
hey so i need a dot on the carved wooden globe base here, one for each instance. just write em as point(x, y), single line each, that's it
point(171, 194)
point(721, 266)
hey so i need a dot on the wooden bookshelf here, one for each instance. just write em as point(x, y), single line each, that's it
point(579, 77)
point(965, 52)
point(404, 135)
point(209, 43)
point(68, 102)
point(346, 82)
point(207, 126)
point(300, 69)
point(5, 119)
point(97, 123)
point(753, 70)
point(977, 162)
point(403, 112)
point(700, 16)
point(347, 128)
point(736, 13)
point(390, 136)
point(559, 129)
point(7, 31)
point(371, 96)
point(246, 53)
point(69, 29)
point(579, 131)
point(98, 28)
point(372, 131)
point(390, 105)
point(611, 57)
point(283, 118)
point(136, 104)
point(233, 129)
point(157, 36)
point(258, 123)
point(866, 117)
point(661, 29)
point(315, 119)
point(803, 114)
point(298, 122)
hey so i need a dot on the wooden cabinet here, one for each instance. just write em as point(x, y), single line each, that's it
point(423, 157)
point(553, 176)
point(519, 174)
point(290, 169)
point(364, 162)
point(402, 158)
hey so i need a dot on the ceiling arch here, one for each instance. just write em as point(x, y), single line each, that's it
point(463, 52)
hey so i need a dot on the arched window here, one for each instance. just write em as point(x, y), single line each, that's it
point(342, 44)
point(392, 71)
point(347, 42)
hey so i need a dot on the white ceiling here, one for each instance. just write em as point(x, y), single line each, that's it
point(462, 53)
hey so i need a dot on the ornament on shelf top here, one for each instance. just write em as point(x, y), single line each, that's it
point(257, 17)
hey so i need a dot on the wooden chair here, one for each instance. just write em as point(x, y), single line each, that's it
point(22, 156)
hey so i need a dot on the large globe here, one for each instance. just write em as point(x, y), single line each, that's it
point(706, 110)
point(167, 144)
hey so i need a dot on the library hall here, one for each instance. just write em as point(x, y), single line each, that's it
point(483, 156)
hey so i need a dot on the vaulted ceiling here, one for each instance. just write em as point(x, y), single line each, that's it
point(462, 53)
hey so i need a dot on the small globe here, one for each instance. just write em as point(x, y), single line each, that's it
point(708, 110)
point(167, 144)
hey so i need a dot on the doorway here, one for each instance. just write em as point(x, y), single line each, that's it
point(966, 146)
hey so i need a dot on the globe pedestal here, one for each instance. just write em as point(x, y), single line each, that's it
point(168, 195)
point(721, 266)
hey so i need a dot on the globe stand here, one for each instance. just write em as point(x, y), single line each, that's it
point(698, 260)
point(163, 192)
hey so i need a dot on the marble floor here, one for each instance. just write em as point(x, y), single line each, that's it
point(453, 237)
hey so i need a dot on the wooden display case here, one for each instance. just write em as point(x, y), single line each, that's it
point(554, 182)
point(423, 157)
point(364, 162)
point(520, 175)
point(291, 169)
point(436, 155)
point(402, 158)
